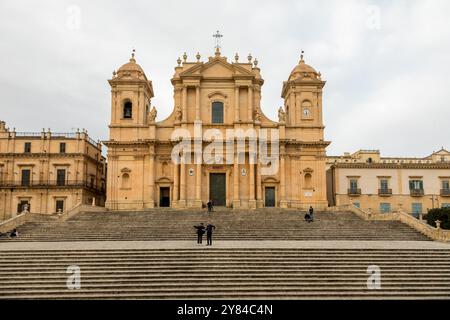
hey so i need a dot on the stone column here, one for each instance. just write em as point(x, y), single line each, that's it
point(151, 182)
point(250, 103)
point(175, 185)
point(252, 201)
point(259, 202)
point(236, 174)
point(184, 104)
point(197, 102)
point(283, 203)
point(236, 104)
point(292, 117)
point(198, 186)
point(182, 201)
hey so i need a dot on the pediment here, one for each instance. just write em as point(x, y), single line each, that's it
point(217, 67)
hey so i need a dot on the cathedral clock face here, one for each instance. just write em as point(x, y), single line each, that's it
point(306, 112)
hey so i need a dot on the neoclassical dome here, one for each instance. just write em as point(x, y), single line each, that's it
point(303, 69)
point(130, 70)
point(131, 66)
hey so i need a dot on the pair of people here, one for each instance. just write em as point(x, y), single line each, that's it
point(201, 229)
point(12, 234)
point(209, 204)
point(309, 217)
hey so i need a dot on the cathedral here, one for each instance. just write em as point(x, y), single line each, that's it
point(223, 133)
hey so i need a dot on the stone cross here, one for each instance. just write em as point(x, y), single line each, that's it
point(217, 35)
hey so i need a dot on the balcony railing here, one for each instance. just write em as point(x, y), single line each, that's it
point(354, 192)
point(445, 192)
point(385, 192)
point(51, 184)
point(417, 192)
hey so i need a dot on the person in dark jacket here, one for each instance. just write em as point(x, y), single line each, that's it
point(14, 233)
point(210, 205)
point(209, 232)
point(311, 213)
point(200, 232)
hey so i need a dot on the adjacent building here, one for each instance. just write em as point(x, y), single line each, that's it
point(49, 172)
point(385, 184)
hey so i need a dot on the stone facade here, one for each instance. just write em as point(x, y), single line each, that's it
point(48, 172)
point(221, 95)
point(383, 184)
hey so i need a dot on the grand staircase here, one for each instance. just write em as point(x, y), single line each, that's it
point(226, 274)
point(231, 225)
point(112, 265)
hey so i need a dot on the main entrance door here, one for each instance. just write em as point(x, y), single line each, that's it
point(217, 189)
point(269, 197)
point(164, 197)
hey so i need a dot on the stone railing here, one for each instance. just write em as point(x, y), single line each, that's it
point(14, 222)
point(78, 209)
point(437, 234)
point(20, 219)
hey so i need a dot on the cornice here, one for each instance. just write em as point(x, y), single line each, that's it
point(392, 165)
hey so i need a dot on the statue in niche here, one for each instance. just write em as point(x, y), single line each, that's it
point(281, 115)
point(178, 114)
point(152, 115)
point(257, 115)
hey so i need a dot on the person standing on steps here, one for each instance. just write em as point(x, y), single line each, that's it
point(200, 232)
point(210, 205)
point(209, 232)
point(311, 213)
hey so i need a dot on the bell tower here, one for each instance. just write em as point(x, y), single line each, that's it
point(131, 94)
point(302, 94)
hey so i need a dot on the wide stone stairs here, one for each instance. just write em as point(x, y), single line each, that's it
point(210, 273)
point(231, 225)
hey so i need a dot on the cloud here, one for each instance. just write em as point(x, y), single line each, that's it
point(386, 62)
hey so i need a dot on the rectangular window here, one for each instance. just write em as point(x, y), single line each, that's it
point(27, 147)
point(416, 209)
point(62, 147)
point(385, 207)
point(26, 177)
point(446, 185)
point(415, 185)
point(217, 112)
point(446, 205)
point(384, 184)
point(59, 205)
point(61, 177)
point(353, 184)
point(21, 206)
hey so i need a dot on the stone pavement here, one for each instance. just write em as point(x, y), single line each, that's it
point(265, 244)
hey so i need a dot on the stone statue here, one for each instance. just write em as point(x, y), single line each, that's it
point(178, 114)
point(281, 115)
point(257, 115)
point(152, 115)
point(25, 208)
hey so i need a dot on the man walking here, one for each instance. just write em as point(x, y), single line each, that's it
point(209, 232)
point(200, 232)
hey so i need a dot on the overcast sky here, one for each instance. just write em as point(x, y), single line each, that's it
point(386, 63)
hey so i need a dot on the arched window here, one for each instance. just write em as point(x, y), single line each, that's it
point(308, 180)
point(217, 112)
point(125, 181)
point(127, 110)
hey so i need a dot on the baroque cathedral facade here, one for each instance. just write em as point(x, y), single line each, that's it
point(216, 96)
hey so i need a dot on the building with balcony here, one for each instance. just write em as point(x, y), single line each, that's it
point(48, 172)
point(383, 184)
